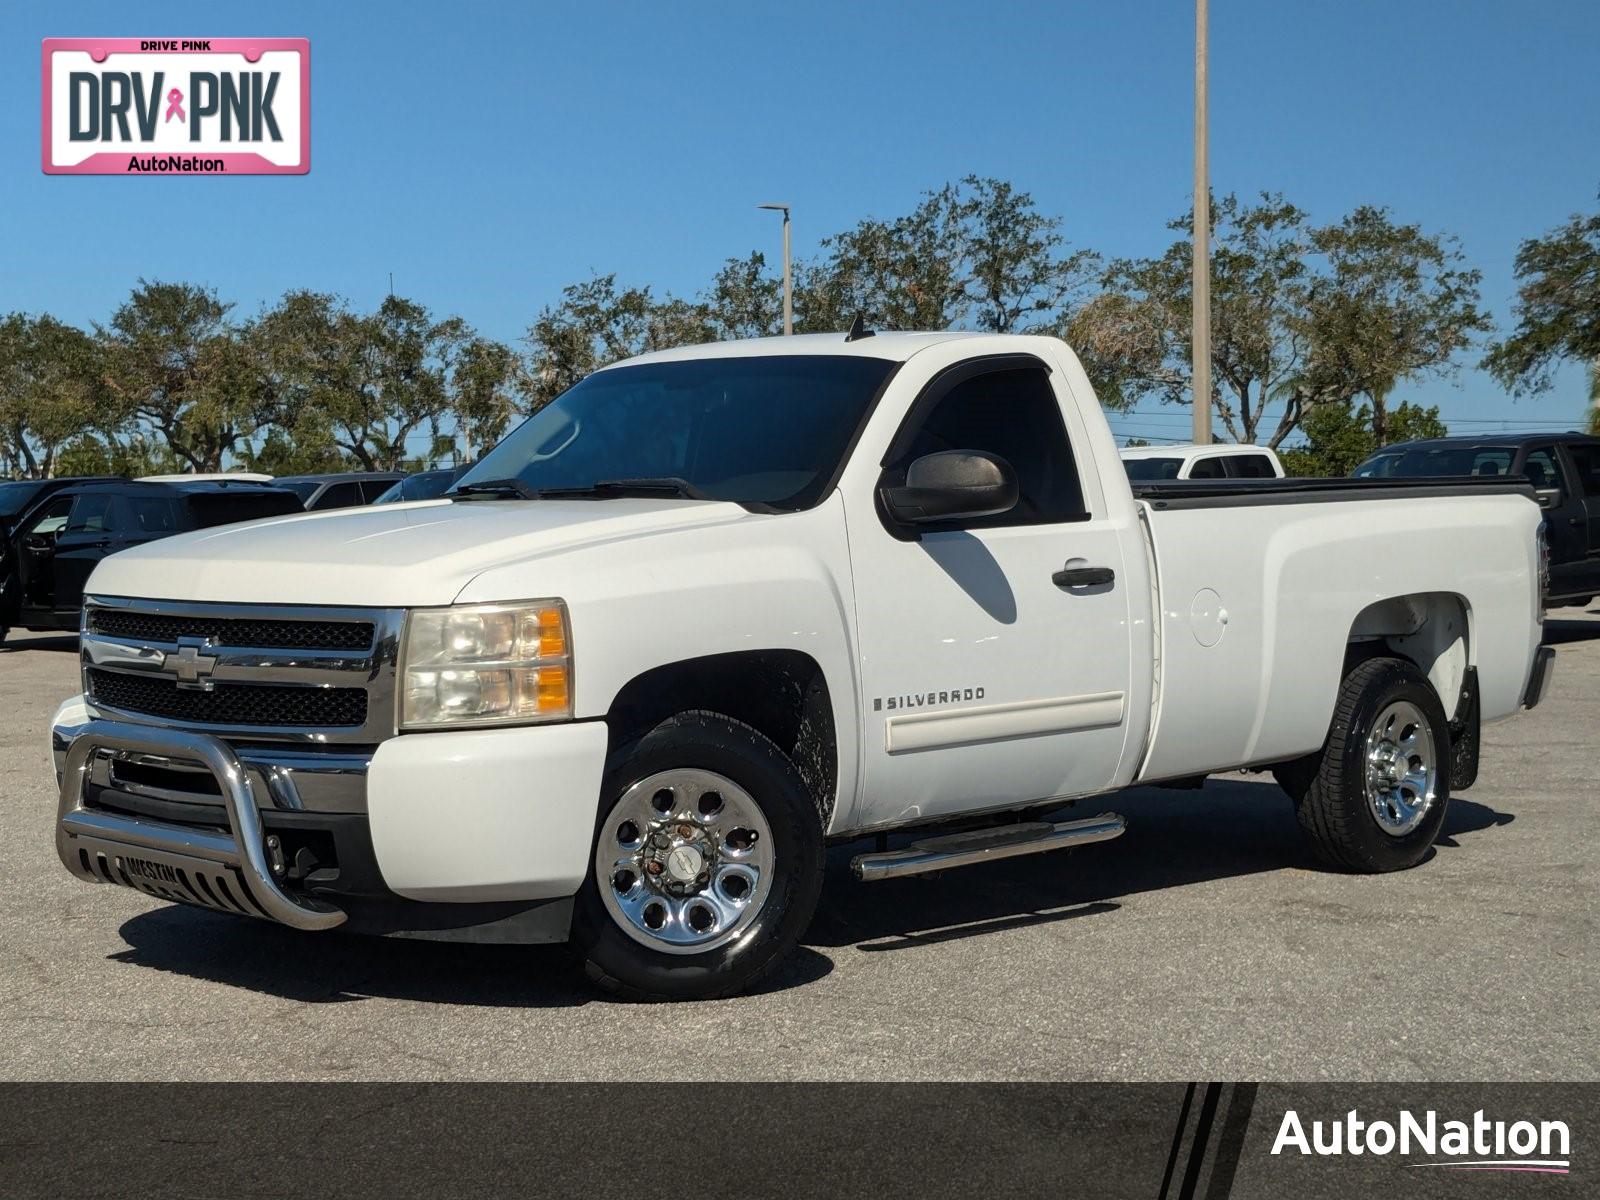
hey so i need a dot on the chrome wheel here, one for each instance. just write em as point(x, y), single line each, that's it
point(1402, 768)
point(684, 861)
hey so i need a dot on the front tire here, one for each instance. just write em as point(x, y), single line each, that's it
point(1374, 800)
point(707, 864)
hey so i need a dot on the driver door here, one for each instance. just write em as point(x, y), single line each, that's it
point(90, 534)
point(990, 676)
point(36, 552)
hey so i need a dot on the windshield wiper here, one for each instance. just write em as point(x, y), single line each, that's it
point(496, 487)
point(665, 485)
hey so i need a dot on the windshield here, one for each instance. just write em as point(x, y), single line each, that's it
point(14, 497)
point(1146, 470)
point(1427, 461)
point(765, 430)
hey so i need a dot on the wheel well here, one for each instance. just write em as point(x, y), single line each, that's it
point(781, 693)
point(1431, 630)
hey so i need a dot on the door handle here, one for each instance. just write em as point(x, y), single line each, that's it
point(1078, 577)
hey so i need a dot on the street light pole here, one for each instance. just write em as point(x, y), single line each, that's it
point(1201, 338)
point(788, 279)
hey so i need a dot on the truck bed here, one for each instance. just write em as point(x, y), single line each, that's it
point(1261, 585)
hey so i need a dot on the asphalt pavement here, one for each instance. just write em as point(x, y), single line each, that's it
point(1204, 943)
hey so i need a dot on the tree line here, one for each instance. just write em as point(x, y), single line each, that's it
point(1314, 326)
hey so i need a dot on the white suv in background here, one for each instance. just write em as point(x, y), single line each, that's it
point(1152, 464)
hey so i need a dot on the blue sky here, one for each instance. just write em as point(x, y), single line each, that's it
point(488, 154)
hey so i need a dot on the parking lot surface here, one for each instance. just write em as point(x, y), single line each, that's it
point(1202, 944)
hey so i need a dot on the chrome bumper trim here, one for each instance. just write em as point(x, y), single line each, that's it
point(87, 839)
point(1539, 680)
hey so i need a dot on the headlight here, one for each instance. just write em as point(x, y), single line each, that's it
point(486, 664)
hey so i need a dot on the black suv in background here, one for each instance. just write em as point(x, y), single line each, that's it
point(48, 553)
point(1564, 469)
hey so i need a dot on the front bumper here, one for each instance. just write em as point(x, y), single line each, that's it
point(425, 833)
point(225, 869)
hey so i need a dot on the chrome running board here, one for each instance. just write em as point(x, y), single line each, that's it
point(986, 845)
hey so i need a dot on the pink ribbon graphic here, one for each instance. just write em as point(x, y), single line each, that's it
point(175, 106)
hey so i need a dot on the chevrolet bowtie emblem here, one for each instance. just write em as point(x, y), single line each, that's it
point(192, 667)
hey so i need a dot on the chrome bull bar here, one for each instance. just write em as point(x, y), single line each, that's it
point(172, 861)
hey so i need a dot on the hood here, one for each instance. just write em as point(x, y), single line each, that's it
point(387, 556)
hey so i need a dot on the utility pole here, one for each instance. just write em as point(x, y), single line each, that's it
point(788, 282)
point(1201, 338)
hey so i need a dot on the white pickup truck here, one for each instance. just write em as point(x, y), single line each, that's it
point(1218, 460)
point(715, 608)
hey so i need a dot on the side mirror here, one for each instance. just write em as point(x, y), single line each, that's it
point(1549, 497)
point(952, 484)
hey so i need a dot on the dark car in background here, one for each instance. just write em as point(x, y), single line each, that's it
point(424, 485)
point(47, 557)
point(1564, 469)
point(347, 489)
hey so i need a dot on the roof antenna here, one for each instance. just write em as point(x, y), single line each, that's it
point(858, 330)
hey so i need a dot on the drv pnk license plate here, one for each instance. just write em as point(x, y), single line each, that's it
point(176, 106)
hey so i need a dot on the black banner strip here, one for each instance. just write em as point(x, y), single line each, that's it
point(1177, 1140)
point(1202, 1135)
point(1241, 1103)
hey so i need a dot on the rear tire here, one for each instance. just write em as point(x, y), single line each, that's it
point(707, 836)
point(1375, 798)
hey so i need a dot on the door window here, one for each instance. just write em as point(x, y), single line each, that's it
point(1586, 459)
point(52, 518)
point(1014, 414)
point(92, 513)
point(371, 489)
point(1491, 462)
point(1208, 468)
point(1541, 468)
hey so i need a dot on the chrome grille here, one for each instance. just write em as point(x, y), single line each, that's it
point(263, 706)
point(231, 631)
point(271, 673)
